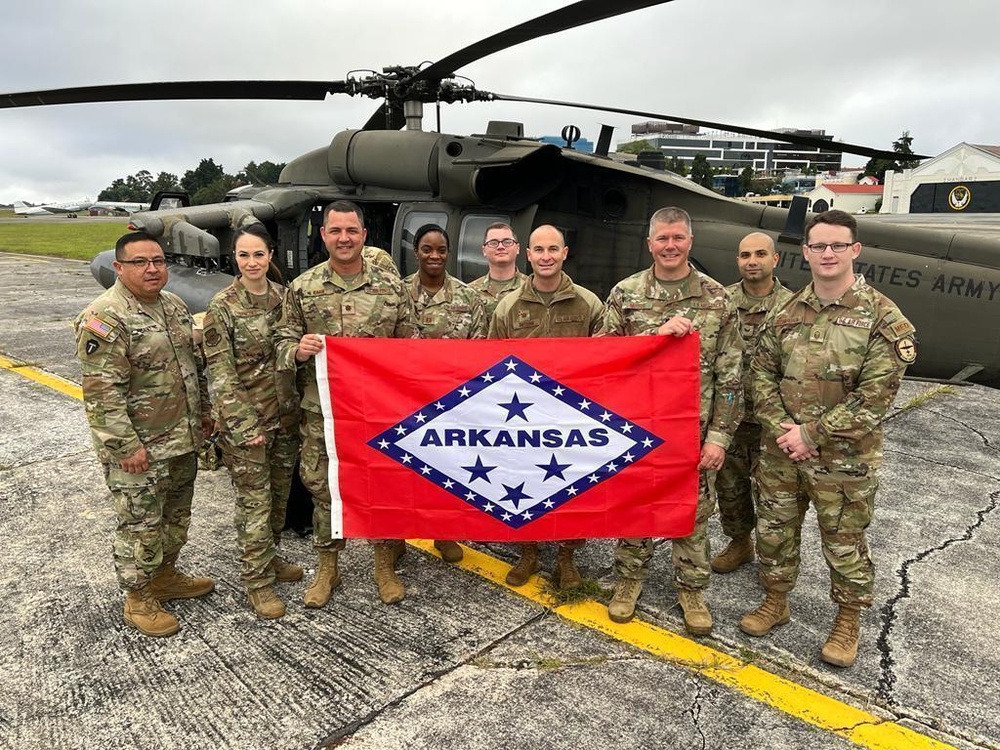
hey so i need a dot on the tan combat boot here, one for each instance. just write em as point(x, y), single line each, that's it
point(450, 551)
point(145, 614)
point(525, 567)
point(265, 603)
point(168, 583)
point(697, 618)
point(841, 648)
point(390, 590)
point(327, 578)
point(736, 553)
point(772, 611)
point(621, 608)
point(284, 571)
point(567, 576)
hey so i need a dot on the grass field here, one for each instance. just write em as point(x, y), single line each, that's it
point(80, 241)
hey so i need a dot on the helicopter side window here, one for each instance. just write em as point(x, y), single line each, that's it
point(471, 263)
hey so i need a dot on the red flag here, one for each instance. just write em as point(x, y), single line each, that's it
point(512, 440)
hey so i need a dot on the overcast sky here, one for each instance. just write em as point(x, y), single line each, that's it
point(864, 70)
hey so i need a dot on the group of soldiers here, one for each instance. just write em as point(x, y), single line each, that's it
point(792, 391)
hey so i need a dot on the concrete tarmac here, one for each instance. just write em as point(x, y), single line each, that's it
point(464, 661)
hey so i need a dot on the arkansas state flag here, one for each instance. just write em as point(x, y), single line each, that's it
point(512, 440)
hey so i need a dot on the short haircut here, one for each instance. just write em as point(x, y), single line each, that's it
point(498, 225)
point(557, 230)
point(256, 229)
point(344, 207)
point(427, 229)
point(669, 215)
point(128, 239)
point(834, 217)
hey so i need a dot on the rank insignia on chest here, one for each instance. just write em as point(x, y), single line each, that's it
point(523, 315)
point(348, 308)
point(212, 338)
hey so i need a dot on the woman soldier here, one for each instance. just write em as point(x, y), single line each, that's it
point(446, 309)
point(258, 413)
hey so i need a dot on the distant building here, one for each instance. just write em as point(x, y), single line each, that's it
point(964, 179)
point(852, 198)
point(735, 151)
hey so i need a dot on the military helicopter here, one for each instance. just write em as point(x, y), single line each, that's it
point(948, 284)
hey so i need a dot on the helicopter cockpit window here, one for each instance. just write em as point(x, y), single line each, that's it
point(413, 221)
point(471, 263)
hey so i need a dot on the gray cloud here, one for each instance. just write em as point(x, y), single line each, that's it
point(865, 71)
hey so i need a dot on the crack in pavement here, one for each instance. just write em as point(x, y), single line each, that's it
point(887, 678)
point(694, 711)
point(345, 733)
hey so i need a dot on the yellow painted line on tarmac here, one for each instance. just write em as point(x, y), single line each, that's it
point(815, 708)
point(66, 387)
point(810, 706)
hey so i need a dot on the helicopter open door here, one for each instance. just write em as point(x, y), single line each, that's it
point(466, 229)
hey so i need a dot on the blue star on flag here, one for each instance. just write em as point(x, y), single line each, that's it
point(515, 408)
point(553, 468)
point(478, 470)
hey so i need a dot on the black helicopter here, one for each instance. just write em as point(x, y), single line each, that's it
point(948, 284)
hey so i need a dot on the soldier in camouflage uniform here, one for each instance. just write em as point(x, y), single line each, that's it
point(445, 308)
point(258, 412)
point(547, 305)
point(757, 293)
point(827, 368)
point(147, 404)
point(346, 296)
point(673, 298)
point(500, 248)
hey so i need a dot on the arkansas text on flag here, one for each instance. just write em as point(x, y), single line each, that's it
point(512, 440)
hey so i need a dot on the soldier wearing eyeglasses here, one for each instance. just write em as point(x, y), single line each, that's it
point(500, 248)
point(826, 369)
point(146, 400)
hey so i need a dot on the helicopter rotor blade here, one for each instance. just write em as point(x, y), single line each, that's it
point(577, 14)
point(389, 116)
point(794, 139)
point(298, 90)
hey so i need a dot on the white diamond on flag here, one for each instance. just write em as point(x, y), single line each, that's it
point(515, 443)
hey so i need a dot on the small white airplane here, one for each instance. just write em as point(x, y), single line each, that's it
point(70, 209)
point(123, 206)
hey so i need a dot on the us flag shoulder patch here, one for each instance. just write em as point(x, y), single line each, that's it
point(99, 328)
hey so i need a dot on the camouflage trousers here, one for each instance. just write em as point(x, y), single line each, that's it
point(844, 502)
point(314, 470)
point(735, 484)
point(262, 477)
point(154, 513)
point(690, 554)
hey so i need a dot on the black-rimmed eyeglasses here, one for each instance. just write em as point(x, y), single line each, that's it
point(837, 247)
point(506, 242)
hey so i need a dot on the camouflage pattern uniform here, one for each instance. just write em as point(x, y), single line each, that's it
point(834, 370)
point(492, 292)
point(638, 305)
point(143, 386)
point(374, 304)
point(252, 399)
point(376, 256)
point(735, 483)
point(455, 311)
point(573, 312)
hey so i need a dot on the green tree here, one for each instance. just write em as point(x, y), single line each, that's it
point(634, 147)
point(902, 146)
point(677, 166)
point(215, 191)
point(265, 173)
point(701, 171)
point(204, 175)
point(746, 179)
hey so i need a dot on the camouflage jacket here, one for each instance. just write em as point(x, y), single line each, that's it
point(833, 370)
point(752, 311)
point(143, 385)
point(249, 395)
point(491, 297)
point(454, 312)
point(638, 305)
point(376, 256)
point(374, 305)
point(573, 311)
